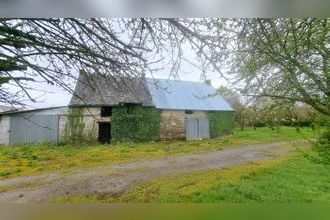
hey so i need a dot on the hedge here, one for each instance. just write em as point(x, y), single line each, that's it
point(221, 123)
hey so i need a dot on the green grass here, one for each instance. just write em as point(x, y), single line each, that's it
point(32, 159)
point(290, 180)
point(295, 181)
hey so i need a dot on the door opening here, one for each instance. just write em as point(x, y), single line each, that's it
point(104, 132)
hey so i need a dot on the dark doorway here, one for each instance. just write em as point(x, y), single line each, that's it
point(104, 132)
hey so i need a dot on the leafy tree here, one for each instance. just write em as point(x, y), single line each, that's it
point(231, 96)
point(239, 104)
point(284, 58)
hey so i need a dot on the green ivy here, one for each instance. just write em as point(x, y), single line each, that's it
point(221, 123)
point(74, 128)
point(141, 124)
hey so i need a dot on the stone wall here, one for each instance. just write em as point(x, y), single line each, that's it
point(91, 117)
point(173, 123)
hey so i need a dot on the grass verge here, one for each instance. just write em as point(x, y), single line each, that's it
point(289, 180)
point(31, 159)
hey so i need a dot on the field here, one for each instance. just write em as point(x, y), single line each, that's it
point(43, 158)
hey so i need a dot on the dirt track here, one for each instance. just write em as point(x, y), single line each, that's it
point(117, 178)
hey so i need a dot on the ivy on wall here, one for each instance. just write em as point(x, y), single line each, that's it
point(221, 123)
point(139, 124)
point(75, 131)
point(74, 127)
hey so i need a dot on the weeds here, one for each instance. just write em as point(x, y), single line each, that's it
point(30, 159)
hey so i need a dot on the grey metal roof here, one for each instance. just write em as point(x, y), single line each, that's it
point(183, 95)
point(19, 111)
point(98, 90)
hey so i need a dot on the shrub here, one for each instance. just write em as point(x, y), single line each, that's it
point(322, 147)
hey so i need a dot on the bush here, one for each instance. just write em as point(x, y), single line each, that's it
point(322, 147)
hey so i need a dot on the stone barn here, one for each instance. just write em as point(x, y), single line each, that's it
point(151, 109)
point(112, 109)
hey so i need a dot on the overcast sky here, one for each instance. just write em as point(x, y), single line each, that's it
point(47, 95)
point(51, 96)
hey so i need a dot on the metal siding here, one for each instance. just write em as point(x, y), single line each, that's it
point(183, 95)
point(191, 129)
point(204, 128)
point(197, 129)
point(33, 128)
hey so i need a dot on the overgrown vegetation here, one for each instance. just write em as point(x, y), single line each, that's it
point(274, 113)
point(74, 127)
point(31, 159)
point(141, 124)
point(221, 123)
point(74, 130)
point(293, 180)
point(322, 147)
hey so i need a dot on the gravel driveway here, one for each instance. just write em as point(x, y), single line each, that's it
point(117, 178)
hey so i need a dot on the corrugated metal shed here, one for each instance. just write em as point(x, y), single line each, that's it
point(34, 125)
point(184, 95)
point(26, 128)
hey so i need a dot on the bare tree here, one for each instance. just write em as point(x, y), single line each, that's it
point(280, 58)
point(54, 49)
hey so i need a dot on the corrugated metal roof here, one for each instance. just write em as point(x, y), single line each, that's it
point(183, 95)
point(60, 109)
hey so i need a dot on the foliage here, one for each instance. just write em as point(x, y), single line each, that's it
point(221, 123)
point(322, 147)
point(238, 103)
point(74, 127)
point(31, 159)
point(274, 113)
point(74, 130)
point(231, 96)
point(142, 124)
point(284, 59)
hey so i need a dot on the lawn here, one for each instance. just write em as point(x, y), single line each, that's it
point(32, 159)
point(286, 180)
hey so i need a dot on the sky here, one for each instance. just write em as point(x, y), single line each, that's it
point(57, 96)
point(47, 95)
